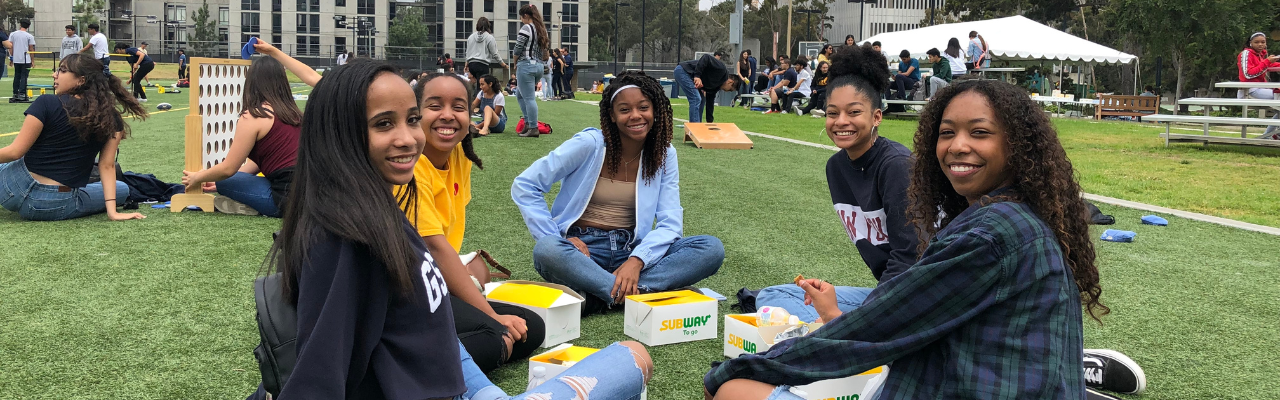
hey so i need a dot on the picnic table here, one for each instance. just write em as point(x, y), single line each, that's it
point(1208, 102)
point(1005, 71)
point(1169, 136)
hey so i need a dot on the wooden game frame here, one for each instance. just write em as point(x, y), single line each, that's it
point(194, 144)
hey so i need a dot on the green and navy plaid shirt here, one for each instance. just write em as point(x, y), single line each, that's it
point(991, 311)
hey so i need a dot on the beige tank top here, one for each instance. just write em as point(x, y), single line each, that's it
point(612, 205)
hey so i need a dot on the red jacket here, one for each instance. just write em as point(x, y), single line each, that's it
point(1253, 65)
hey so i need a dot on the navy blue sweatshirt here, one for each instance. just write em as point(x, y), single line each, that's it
point(712, 72)
point(870, 197)
point(358, 338)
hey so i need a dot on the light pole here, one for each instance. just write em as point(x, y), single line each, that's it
point(617, 36)
point(133, 21)
point(807, 22)
point(643, 5)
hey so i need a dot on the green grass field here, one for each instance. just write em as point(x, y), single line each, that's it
point(163, 307)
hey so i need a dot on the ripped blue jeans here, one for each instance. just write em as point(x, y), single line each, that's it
point(603, 375)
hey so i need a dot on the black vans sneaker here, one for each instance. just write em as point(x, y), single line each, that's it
point(1113, 371)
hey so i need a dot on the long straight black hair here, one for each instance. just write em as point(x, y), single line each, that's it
point(265, 82)
point(336, 187)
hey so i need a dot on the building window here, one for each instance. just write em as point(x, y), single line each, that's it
point(513, 9)
point(569, 34)
point(340, 44)
point(365, 47)
point(249, 22)
point(308, 45)
point(570, 13)
point(465, 9)
point(546, 13)
point(308, 23)
point(250, 5)
point(513, 28)
point(276, 25)
point(340, 3)
point(276, 39)
point(365, 7)
point(308, 5)
point(462, 29)
point(488, 6)
point(224, 16)
point(177, 13)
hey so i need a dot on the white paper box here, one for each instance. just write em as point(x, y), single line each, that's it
point(741, 335)
point(671, 317)
point(562, 318)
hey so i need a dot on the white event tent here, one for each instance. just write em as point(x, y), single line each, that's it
point(1010, 38)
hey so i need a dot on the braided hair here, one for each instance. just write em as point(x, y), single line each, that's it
point(659, 132)
point(862, 68)
point(468, 149)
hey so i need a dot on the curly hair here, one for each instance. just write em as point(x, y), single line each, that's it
point(1043, 178)
point(95, 115)
point(862, 68)
point(659, 133)
point(468, 148)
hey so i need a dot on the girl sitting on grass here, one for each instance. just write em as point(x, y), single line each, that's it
point(266, 135)
point(44, 172)
point(373, 311)
point(494, 333)
point(993, 307)
point(616, 227)
point(492, 105)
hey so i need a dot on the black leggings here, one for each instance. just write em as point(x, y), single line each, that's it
point(483, 336)
point(477, 70)
point(141, 74)
point(819, 99)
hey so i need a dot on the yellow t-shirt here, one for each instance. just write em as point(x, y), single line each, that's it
point(443, 196)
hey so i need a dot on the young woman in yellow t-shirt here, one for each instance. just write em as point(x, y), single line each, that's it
point(493, 333)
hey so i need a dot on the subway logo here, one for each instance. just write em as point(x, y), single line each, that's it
point(681, 323)
point(739, 342)
point(849, 397)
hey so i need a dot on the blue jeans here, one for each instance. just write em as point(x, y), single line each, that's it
point(546, 87)
point(791, 298)
point(106, 65)
point(690, 92)
point(528, 72)
point(687, 261)
point(252, 190)
point(35, 201)
point(603, 372)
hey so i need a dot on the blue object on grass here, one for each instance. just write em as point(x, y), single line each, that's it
point(1115, 235)
point(712, 294)
point(160, 206)
point(247, 50)
point(1154, 220)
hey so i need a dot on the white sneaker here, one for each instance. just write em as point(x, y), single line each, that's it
point(796, 108)
point(226, 205)
point(784, 112)
point(819, 113)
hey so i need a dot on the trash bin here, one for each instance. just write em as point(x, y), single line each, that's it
point(667, 85)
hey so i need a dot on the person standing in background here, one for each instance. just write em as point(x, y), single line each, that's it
point(978, 52)
point(482, 51)
point(342, 59)
point(23, 45)
point(182, 64)
point(98, 42)
point(70, 44)
point(567, 79)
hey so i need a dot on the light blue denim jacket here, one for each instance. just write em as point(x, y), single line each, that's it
point(577, 164)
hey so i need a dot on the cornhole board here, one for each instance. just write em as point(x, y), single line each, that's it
point(716, 136)
point(216, 89)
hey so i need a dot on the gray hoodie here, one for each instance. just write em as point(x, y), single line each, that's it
point(482, 47)
point(70, 45)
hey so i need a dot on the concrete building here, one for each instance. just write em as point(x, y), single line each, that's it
point(881, 16)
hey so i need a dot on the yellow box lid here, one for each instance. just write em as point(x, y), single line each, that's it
point(670, 298)
point(531, 295)
point(557, 357)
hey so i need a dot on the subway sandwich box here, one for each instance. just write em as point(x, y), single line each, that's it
point(742, 335)
point(559, 306)
point(557, 360)
point(671, 317)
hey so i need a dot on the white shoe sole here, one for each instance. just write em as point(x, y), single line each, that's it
point(1127, 362)
point(226, 205)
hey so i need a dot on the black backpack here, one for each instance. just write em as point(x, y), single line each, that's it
point(278, 327)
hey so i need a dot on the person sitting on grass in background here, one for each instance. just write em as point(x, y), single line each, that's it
point(597, 87)
point(44, 172)
point(140, 65)
point(821, 77)
point(867, 178)
point(266, 135)
point(616, 227)
point(1007, 263)
point(493, 333)
point(492, 105)
point(701, 80)
point(941, 72)
point(908, 75)
point(786, 80)
point(1253, 63)
point(802, 88)
point(374, 315)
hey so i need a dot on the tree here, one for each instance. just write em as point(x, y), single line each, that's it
point(88, 12)
point(1050, 12)
point(11, 11)
point(408, 36)
point(205, 40)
